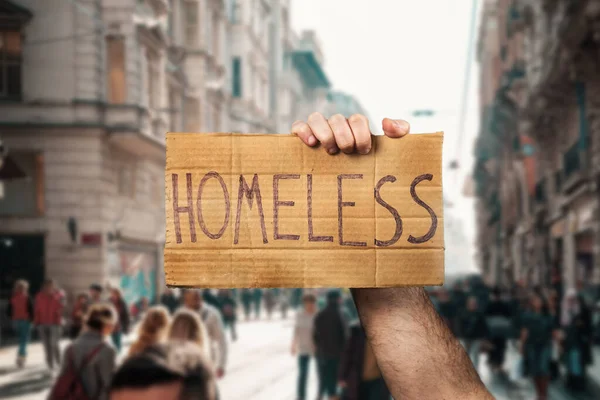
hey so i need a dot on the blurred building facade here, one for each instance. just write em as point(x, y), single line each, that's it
point(537, 152)
point(88, 89)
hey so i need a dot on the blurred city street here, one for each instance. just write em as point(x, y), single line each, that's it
point(261, 367)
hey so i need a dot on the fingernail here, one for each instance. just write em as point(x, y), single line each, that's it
point(333, 150)
point(312, 140)
point(365, 151)
point(402, 125)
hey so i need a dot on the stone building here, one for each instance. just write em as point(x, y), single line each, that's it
point(88, 89)
point(538, 150)
point(200, 29)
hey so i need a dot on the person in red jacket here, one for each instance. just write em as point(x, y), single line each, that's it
point(49, 304)
point(20, 312)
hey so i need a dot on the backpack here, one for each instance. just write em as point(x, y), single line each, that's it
point(68, 386)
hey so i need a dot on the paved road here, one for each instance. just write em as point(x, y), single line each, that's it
point(260, 367)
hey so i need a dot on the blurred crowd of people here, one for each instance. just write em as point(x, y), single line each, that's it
point(91, 367)
point(331, 335)
point(553, 332)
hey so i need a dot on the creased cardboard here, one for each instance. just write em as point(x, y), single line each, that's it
point(267, 211)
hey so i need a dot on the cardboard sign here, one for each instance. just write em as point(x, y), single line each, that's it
point(268, 211)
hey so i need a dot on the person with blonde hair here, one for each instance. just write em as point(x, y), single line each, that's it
point(20, 312)
point(188, 327)
point(152, 330)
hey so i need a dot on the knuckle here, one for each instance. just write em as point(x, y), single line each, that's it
point(357, 119)
point(315, 116)
point(337, 119)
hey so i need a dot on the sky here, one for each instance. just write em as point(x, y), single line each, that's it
point(398, 56)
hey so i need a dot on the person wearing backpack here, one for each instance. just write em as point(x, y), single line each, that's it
point(89, 362)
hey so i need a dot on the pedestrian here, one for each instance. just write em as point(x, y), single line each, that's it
point(123, 320)
point(270, 301)
point(257, 294)
point(302, 342)
point(188, 327)
point(89, 360)
point(474, 330)
point(447, 310)
point(96, 290)
point(537, 332)
point(48, 311)
point(247, 302)
point(284, 302)
point(228, 308)
point(211, 318)
point(500, 328)
point(79, 311)
point(152, 330)
point(210, 299)
point(576, 323)
point(329, 336)
point(170, 300)
point(297, 296)
point(166, 371)
point(21, 311)
point(360, 377)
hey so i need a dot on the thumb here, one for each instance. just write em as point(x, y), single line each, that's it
point(395, 128)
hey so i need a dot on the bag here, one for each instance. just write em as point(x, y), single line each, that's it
point(68, 386)
point(517, 371)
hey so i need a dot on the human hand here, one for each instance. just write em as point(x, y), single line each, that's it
point(348, 135)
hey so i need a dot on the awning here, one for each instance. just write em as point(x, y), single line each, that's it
point(311, 71)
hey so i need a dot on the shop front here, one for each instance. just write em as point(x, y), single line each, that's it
point(134, 269)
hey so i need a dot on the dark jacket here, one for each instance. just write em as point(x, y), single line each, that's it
point(329, 332)
point(124, 316)
point(228, 308)
point(170, 301)
point(351, 367)
point(473, 325)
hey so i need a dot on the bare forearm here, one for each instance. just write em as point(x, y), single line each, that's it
point(416, 352)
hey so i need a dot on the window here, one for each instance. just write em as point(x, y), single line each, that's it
point(236, 11)
point(191, 23)
point(153, 78)
point(25, 197)
point(10, 64)
point(116, 80)
point(237, 77)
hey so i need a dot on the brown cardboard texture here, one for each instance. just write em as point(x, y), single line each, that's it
point(248, 210)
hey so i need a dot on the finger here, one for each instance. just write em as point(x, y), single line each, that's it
point(361, 131)
point(303, 131)
point(342, 133)
point(395, 128)
point(321, 129)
